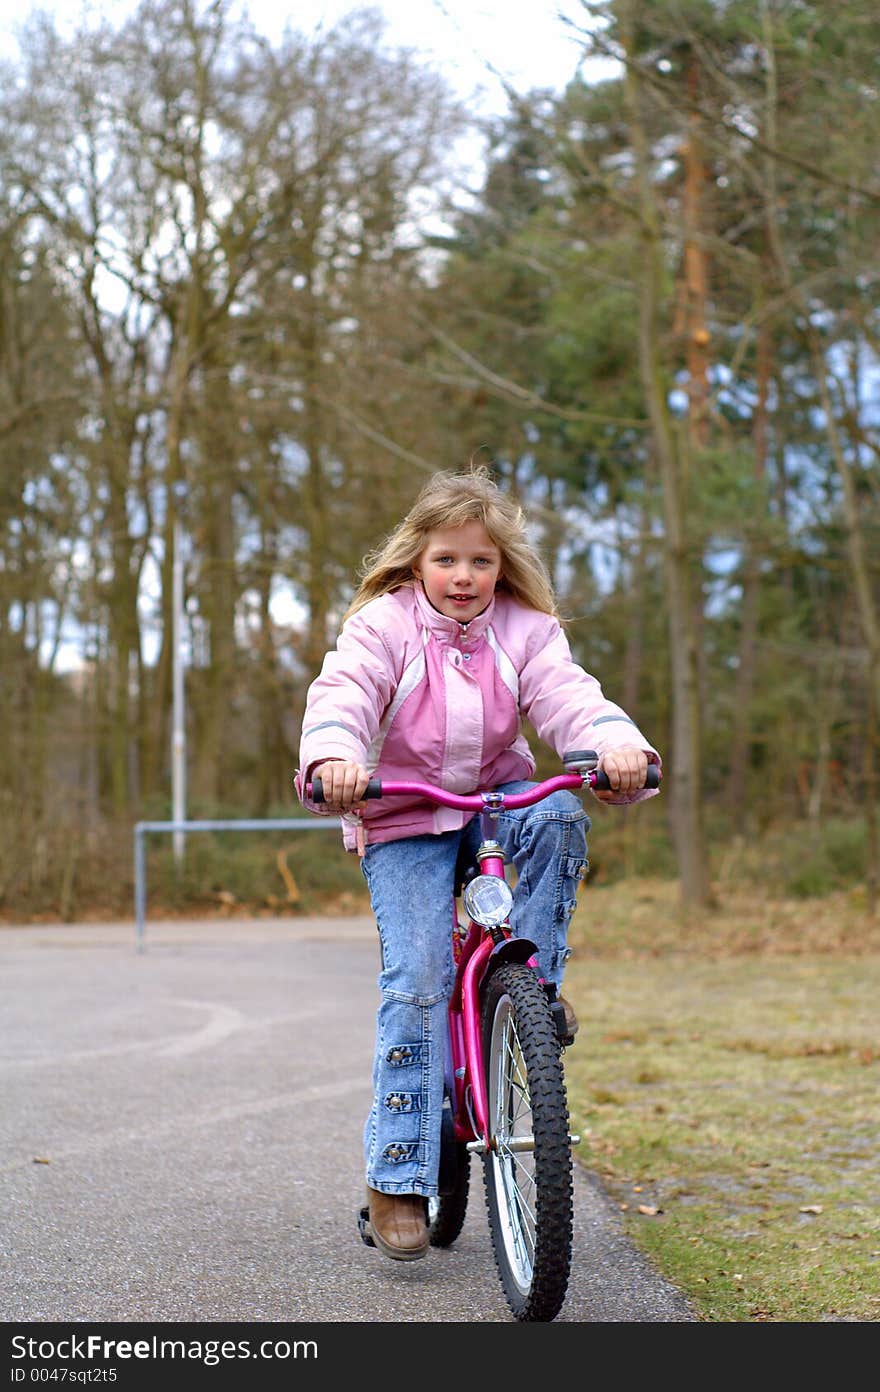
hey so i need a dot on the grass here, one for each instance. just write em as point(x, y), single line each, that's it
point(725, 1084)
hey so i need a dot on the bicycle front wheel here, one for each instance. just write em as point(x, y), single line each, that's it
point(527, 1169)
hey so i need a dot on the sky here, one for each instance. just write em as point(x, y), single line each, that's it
point(479, 45)
point(525, 41)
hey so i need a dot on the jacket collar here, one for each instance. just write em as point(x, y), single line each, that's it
point(450, 629)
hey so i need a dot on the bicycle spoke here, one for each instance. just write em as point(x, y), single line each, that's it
point(517, 1178)
point(522, 1203)
point(521, 1176)
point(523, 1237)
point(523, 1230)
point(513, 1077)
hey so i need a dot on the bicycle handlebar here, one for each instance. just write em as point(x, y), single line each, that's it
point(477, 802)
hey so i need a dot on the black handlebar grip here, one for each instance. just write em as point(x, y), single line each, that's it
point(372, 790)
point(651, 781)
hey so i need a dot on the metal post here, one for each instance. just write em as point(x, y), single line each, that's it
point(140, 885)
point(247, 824)
point(178, 734)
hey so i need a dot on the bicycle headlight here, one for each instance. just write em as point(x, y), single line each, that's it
point(488, 899)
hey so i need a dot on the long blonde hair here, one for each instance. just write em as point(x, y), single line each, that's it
point(450, 500)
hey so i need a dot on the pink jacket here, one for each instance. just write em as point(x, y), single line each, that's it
point(414, 695)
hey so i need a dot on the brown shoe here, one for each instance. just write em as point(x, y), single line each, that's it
point(399, 1224)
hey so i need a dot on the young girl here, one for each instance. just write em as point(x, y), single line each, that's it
point(452, 636)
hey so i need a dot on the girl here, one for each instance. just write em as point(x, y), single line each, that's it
point(452, 636)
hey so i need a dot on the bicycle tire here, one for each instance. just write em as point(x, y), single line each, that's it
point(447, 1219)
point(446, 1213)
point(529, 1193)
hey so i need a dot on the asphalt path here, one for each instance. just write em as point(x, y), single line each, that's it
point(180, 1140)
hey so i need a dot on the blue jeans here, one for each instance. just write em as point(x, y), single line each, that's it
point(411, 883)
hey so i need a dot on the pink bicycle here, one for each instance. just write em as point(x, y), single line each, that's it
point(505, 1089)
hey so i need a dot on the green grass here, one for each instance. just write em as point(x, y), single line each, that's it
point(725, 1084)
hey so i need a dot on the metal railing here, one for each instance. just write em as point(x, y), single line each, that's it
point(140, 864)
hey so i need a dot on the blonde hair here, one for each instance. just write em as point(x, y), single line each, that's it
point(450, 500)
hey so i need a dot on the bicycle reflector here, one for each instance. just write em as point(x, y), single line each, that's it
point(488, 899)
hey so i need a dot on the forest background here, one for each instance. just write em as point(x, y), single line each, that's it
point(248, 300)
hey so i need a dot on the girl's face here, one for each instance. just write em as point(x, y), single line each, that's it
point(459, 568)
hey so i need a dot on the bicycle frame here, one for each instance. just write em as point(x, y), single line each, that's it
point(471, 955)
point(465, 1039)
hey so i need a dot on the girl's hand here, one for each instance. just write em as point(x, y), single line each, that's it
point(626, 769)
point(344, 783)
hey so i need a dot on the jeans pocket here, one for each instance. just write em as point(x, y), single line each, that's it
point(572, 870)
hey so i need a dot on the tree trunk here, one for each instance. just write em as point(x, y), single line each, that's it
point(633, 657)
point(157, 742)
point(872, 840)
point(123, 641)
point(316, 503)
point(272, 785)
point(740, 741)
point(685, 768)
point(696, 273)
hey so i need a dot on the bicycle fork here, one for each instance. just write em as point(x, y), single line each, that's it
point(484, 939)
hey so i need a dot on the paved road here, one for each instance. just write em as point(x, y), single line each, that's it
point(180, 1139)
